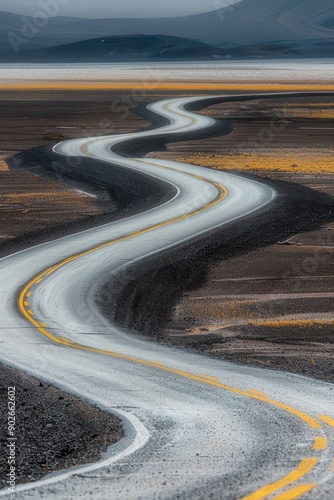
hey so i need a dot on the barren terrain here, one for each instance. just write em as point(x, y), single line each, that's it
point(272, 307)
point(269, 307)
point(287, 286)
point(36, 206)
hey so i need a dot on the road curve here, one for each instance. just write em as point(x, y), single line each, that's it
point(193, 424)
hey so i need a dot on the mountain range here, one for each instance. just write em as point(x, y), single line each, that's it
point(250, 28)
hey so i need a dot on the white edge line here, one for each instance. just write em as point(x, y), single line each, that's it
point(135, 432)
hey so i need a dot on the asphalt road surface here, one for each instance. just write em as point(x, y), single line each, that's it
point(195, 427)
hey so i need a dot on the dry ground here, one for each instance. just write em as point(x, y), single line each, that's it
point(279, 135)
point(272, 307)
point(29, 203)
point(54, 430)
point(291, 281)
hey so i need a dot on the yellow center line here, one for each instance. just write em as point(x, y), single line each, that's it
point(320, 443)
point(192, 122)
point(326, 419)
point(259, 393)
point(314, 424)
point(303, 468)
point(222, 194)
point(170, 85)
point(295, 492)
point(84, 150)
point(209, 377)
point(26, 292)
point(52, 269)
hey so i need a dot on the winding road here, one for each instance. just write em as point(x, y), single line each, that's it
point(195, 427)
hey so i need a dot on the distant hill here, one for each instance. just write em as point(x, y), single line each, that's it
point(262, 21)
point(163, 48)
point(252, 24)
point(123, 48)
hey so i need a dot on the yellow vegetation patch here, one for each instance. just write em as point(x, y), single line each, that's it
point(319, 104)
point(42, 196)
point(309, 110)
point(308, 164)
point(312, 114)
point(3, 166)
point(61, 198)
point(294, 323)
point(321, 114)
point(265, 162)
point(230, 310)
point(191, 86)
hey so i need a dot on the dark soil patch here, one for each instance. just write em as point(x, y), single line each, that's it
point(53, 430)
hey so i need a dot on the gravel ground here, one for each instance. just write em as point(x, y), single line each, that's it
point(54, 430)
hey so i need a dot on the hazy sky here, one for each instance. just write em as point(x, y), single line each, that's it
point(116, 8)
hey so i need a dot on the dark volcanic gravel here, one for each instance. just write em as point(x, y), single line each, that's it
point(54, 430)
